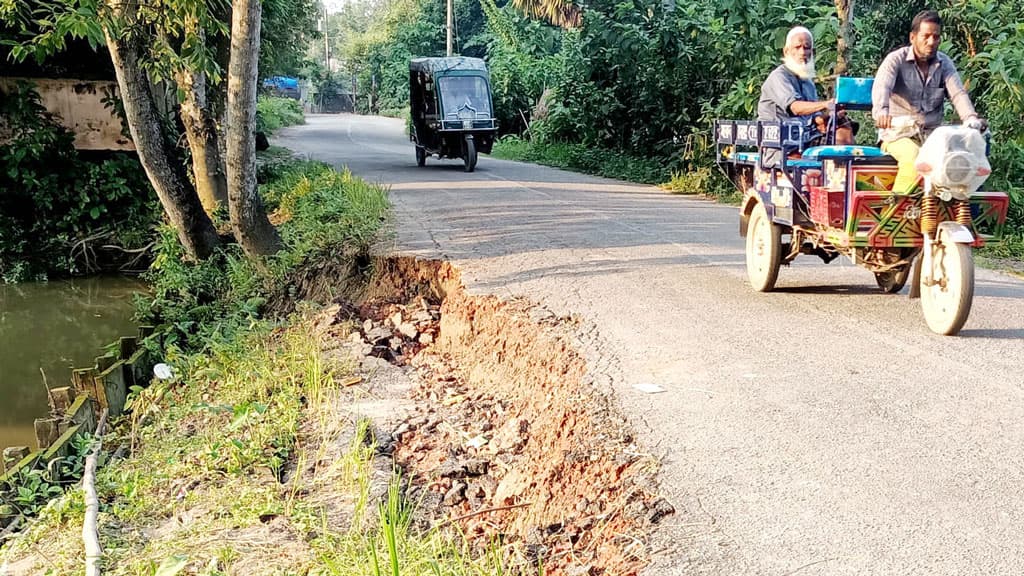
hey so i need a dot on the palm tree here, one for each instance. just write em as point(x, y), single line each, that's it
point(562, 13)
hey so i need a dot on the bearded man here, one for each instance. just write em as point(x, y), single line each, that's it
point(789, 90)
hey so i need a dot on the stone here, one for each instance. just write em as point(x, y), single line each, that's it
point(367, 325)
point(377, 335)
point(396, 319)
point(408, 330)
point(456, 494)
point(659, 509)
point(426, 339)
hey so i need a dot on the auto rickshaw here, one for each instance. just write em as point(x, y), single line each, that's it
point(450, 105)
point(826, 200)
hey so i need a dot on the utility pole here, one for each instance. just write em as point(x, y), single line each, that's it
point(327, 44)
point(449, 27)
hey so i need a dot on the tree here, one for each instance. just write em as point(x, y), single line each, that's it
point(844, 12)
point(564, 13)
point(127, 28)
point(249, 221)
point(184, 41)
point(156, 151)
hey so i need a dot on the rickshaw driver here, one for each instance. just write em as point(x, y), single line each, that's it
point(912, 83)
point(789, 90)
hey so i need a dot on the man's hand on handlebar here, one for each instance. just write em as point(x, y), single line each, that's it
point(979, 124)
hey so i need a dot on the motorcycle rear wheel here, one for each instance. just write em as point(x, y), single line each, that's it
point(892, 281)
point(764, 250)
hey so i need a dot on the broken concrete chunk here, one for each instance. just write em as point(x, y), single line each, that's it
point(455, 495)
point(426, 338)
point(396, 319)
point(377, 335)
point(408, 330)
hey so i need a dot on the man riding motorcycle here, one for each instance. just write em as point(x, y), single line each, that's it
point(908, 94)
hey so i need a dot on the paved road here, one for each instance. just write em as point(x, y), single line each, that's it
point(820, 429)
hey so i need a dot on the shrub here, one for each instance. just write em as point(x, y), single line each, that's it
point(274, 113)
point(54, 203)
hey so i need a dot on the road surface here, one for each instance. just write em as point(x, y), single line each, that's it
point(819, 429)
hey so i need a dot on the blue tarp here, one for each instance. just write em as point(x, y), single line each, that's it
point(281, 83)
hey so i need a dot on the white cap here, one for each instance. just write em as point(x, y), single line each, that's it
point(797, 30)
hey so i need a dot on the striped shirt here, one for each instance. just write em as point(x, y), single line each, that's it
point(901, 89)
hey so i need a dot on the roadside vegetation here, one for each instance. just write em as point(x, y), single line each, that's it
point(62, 212)
point(240, 463)
point(274, 113)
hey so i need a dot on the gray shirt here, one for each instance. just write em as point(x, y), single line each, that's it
point(901, 90)
point(781, 89)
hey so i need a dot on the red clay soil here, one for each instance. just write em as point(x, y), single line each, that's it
point(511, 440)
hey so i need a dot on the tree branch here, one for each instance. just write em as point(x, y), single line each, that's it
point(90, 532)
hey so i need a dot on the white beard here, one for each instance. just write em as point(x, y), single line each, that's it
point(804, 71)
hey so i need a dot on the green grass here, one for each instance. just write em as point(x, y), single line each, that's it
point(203, 481)
point(273, 113)
point(617, 165)
point(242, 464)
point(576, 157)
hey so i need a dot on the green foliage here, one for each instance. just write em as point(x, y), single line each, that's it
point(52, 200)
point(274, 113)
point(522, 58)
point(288, 27)
point(581, 158)
point(325, 213)
point(32, 490)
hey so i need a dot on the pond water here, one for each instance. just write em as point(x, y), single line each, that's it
point(51, 328)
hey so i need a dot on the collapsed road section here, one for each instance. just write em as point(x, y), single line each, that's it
point(511, 437)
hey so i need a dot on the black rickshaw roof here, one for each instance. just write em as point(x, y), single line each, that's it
point(435, 65)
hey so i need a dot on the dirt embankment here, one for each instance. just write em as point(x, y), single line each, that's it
point(511, 438)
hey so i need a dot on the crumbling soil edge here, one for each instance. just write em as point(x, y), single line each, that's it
point(515, 436)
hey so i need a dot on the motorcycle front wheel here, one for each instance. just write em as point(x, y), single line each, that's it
point(947, 285)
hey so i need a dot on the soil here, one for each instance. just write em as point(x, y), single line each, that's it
point(508, 437)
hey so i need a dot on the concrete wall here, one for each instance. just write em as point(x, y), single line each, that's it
point(78, 104)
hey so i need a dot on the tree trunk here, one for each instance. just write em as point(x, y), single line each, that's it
point(844, 11)
point(248, 218)
point(201, 130)
point(156, 152)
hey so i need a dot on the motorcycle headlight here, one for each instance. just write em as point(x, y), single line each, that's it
point(467, 124)
point(958, 168)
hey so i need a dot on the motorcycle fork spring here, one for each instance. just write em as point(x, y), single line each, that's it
point(930, 215)
point(963, 212)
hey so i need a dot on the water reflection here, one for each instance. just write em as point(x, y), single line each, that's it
point(54, 326)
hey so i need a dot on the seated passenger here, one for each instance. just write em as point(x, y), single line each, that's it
point(789, 90)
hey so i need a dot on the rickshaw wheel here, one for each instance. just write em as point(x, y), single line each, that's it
point(764, 250)
point(892, 281)
point(421, 156)
point(947, 302)
point(469, 154)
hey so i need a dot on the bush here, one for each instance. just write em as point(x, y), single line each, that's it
point(600, 162)
point(274, 113)
point(323, 214)
point(54, 203)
